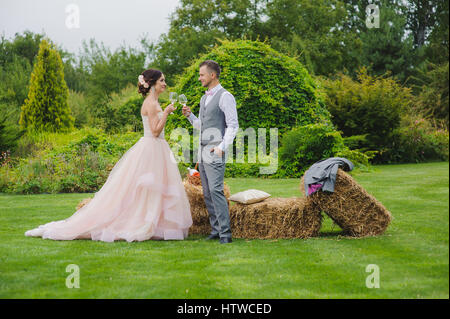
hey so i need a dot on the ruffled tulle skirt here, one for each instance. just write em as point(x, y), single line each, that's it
point(143, 198)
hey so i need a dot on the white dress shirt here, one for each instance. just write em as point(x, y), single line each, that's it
point(227, 104)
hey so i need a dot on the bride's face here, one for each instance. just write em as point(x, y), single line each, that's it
point(160, 85)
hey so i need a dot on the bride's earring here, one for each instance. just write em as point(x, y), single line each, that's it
point(153, 89)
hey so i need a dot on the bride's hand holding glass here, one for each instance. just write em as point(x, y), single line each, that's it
point(170, 108)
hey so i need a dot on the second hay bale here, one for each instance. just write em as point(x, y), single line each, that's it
point(276, 217)
point(351, 207)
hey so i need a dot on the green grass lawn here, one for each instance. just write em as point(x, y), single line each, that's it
point(412, 256)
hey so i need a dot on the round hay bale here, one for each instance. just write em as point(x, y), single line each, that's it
point(350, 206)
point(276, 217)
point(200, 216)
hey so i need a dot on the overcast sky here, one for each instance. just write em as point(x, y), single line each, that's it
point(113, 22)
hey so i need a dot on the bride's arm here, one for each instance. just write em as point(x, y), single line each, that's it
point(157, 124)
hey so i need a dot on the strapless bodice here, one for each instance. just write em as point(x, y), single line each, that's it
point(147, 131)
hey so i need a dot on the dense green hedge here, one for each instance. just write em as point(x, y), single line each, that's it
point(271, 89)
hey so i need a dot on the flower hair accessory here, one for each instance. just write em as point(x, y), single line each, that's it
point(142, 81)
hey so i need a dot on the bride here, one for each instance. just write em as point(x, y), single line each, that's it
point(143, 197)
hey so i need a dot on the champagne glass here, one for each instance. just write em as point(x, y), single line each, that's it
point(173, 97)
point(182, 99)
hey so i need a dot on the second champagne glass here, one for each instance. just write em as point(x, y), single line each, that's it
point(182, 99)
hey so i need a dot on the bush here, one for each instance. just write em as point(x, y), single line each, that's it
point(271, 89)
point(417, 140)
point(79, 107)
point(356, 141)
point(370, 106)
point(79, 161)
point(360, 160)
point(305, 145)
point(433, 92)
point(244, 170)
point(9, 133)
point(122, 112)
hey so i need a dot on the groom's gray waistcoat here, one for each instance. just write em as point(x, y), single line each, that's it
point(212, 118)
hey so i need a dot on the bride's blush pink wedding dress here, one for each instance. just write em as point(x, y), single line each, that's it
point(143, 198)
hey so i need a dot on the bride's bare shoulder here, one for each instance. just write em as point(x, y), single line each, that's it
point(149, 107)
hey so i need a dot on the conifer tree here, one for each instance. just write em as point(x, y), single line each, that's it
point(46, 108)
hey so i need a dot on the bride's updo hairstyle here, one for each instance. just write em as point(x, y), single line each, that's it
point(148, 78)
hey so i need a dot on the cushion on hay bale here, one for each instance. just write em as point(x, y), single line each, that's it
point(350, 206)
point(249, 196)
point(200, 216)
point(276, 217)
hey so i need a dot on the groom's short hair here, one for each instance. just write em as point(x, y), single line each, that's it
point(212, 66)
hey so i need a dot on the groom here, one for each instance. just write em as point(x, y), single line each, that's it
point(218, 124)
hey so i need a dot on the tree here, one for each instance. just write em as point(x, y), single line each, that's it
point(16, 63)
point(26, 46)
point(388, 48)
point(315, 32)
point(422, 18)
point(197, 26)
point(107, 72)
point(438, 47)
point(46, 107)
point(9, 133)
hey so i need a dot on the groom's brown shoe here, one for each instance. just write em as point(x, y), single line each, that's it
point(211, 237)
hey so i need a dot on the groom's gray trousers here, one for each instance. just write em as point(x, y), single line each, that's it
point(212, 171)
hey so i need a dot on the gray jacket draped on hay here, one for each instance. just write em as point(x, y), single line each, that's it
point(322, 174)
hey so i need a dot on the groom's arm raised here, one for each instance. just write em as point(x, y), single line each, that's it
point(191, 117)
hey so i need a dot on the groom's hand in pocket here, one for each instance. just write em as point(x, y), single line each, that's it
point(186, 110)
point(217, 150)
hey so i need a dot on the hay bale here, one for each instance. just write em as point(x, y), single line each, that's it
point(194, 179)
point(276, 217)
point(83, 203)
point(350, 206)
point(200, 216)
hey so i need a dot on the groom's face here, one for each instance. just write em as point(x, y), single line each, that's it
point(205, 76)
